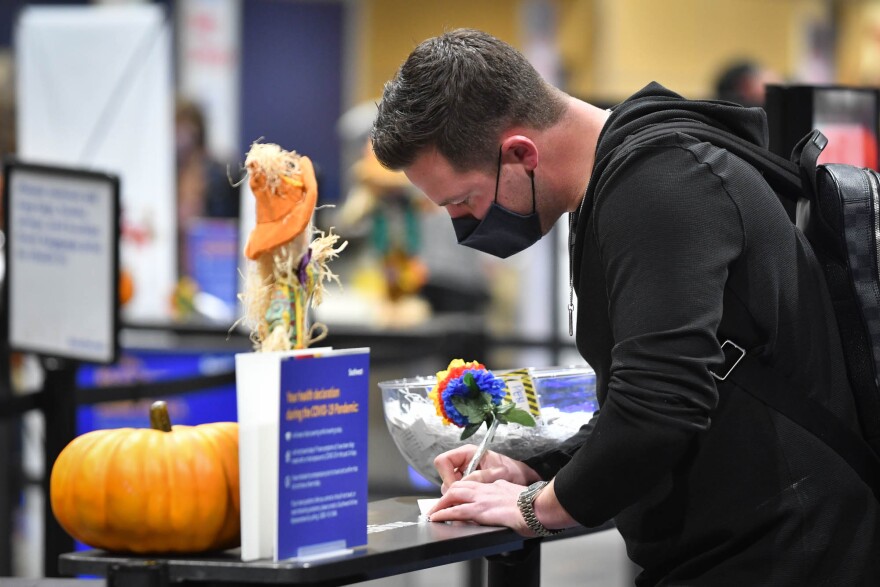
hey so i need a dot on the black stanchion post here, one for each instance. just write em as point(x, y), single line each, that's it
point(59, 410)
point(518, 568)
point(10, 461)
point(9, 490)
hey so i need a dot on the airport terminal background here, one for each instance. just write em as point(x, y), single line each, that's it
point(306, 74)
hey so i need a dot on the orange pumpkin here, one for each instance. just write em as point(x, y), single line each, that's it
point(126, 286)
point(151, 490)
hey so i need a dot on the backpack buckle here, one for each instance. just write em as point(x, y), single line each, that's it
point(732, 354)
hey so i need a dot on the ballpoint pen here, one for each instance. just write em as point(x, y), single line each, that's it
point(482, 448)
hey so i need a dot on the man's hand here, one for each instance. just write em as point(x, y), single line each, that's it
point(487, 504)
point(495, 504)
point(492, 467)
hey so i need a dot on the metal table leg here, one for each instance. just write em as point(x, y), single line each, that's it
point(475, 572)
point(519, 568)
point(59, 392)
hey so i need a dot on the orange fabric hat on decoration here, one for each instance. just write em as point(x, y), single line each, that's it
point(370, 172)
point(283, 210)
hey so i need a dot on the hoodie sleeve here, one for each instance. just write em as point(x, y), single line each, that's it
point(666, 230)
point(547, 463)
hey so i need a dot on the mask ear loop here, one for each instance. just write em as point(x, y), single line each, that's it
point(498, 175)
point(532, 177)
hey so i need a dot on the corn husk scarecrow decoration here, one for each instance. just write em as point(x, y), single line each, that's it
point(290, 266)
point(392, 205)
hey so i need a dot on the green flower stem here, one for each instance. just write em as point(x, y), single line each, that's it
point(481, 450)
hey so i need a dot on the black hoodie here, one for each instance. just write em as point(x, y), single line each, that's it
point(706, 485)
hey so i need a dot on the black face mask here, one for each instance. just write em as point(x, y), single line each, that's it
point(501, 232)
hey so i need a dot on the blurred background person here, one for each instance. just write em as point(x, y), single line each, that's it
point(205, 194)
point(744, 82)
point(203, 185)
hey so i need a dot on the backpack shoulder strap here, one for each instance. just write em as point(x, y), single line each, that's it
point(806, 154)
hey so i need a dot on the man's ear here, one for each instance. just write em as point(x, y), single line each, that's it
point(520, 149)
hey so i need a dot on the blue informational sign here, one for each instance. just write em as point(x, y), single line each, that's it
point(322, 481)
point(212, 258)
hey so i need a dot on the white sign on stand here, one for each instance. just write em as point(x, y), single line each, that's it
point(303, 421)
point(62, 257)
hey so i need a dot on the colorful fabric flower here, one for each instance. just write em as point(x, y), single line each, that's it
point(469, 395)
point(455, 369)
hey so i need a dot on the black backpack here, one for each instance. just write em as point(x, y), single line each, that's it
point(838, 209)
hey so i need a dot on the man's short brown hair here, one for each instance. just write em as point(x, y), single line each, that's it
point(456, 93)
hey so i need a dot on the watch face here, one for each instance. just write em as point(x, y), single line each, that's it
point(534, 488)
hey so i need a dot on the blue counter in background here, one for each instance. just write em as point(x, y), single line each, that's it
point(146, 366)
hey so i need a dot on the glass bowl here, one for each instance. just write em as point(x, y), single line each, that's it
point(562, 398)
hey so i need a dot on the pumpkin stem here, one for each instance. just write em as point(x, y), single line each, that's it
point(159, 418)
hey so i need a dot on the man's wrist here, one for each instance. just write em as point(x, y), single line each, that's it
point(550, 511)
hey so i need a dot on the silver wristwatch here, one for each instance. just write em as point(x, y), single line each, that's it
point(526, 502)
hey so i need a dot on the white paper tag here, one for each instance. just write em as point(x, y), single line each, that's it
point(425, 505)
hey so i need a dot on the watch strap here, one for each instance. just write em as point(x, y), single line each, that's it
point(526, 501)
